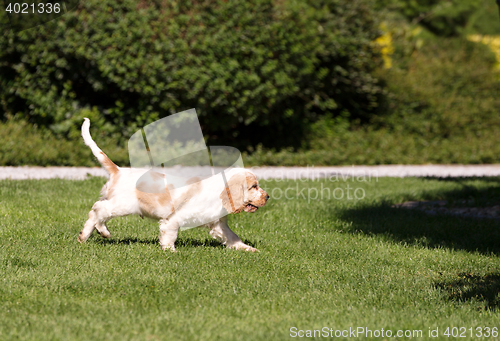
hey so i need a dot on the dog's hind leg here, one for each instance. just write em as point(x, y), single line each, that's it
point(88, 228)
point(98, 216)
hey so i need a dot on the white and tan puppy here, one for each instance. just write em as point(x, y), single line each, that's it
point(198, 203)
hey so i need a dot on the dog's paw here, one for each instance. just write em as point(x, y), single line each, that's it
point(80, 237)
point(170, 248)
point(104, 234)
point(243, 247)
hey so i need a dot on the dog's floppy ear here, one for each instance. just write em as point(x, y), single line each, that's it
point(233, 194)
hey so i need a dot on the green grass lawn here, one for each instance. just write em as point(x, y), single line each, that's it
point(335, 263)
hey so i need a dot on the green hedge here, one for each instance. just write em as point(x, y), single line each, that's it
point(256, 71)
point(442, 17)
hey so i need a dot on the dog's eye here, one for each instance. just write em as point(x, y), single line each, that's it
point(254, 186)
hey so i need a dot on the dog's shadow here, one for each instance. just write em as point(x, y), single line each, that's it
point(181, 242)
point(469, 287)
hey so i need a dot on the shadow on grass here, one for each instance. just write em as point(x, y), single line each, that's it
point(125, 241)
point(469, 287)
point(181, 242)
point(190, 242)
point(468, 194)
point(415, 227)
point(19, 263)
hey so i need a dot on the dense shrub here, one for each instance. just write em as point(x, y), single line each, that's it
point(442, 17)
point(247, 66)
point(448, 88)
point(298, 74)
point(485, 20)
point(442, 110)
point(443, 104)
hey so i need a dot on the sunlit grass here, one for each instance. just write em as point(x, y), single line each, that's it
point(323, 263)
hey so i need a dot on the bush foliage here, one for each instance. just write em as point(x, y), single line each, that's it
point(442, 108)
point(292, 82)
point(442, 17)
point(244, 65)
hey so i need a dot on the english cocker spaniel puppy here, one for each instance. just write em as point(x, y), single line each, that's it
point(197, 203)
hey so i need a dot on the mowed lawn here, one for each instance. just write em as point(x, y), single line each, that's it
point(334, 263)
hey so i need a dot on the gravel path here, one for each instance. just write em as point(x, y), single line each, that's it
point(79, 173)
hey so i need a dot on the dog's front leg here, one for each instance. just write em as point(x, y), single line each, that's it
point(221, 231)
point(168, 233)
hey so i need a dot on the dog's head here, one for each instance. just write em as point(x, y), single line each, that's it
point(242, 193)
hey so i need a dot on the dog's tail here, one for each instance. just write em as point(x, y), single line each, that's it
point(103, 159)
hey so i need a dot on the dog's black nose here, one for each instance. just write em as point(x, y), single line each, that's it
point(267, 197)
